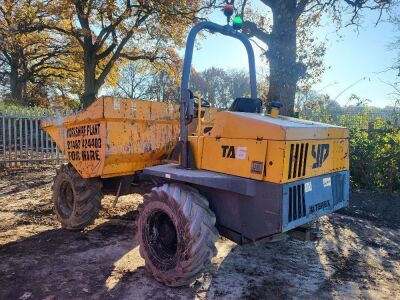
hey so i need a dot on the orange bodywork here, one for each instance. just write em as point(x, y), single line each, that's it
point(116, 136)
point(278, 150)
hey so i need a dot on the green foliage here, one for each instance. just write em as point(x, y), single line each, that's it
point(13, 109)
point(19, 110)
point(374, 153)
point(374, 142)
point(318, 110)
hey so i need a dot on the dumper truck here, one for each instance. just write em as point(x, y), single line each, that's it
point(242, 173)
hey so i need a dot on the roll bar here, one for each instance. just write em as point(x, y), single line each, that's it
point(186, 105)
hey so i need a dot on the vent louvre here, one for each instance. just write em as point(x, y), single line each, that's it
point(297, 202)
point(297, 160)
point(338, 187)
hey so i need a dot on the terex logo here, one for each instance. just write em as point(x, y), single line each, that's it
point(234, 152)
point(319, 206)
point(320, 154)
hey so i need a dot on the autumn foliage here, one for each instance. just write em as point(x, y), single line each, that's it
point(76, 47)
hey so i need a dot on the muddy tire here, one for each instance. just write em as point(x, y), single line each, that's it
point(176, 233)
point(77, 201)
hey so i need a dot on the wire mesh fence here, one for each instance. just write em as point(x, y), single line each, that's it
point(387, 115)
point(22, 141)
point(361, 118)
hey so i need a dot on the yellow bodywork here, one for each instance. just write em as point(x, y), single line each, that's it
point(116, 136)
point(277, 150)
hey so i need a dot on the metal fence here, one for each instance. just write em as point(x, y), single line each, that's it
point(388, 115)
point(363, 119)
point(22, 141)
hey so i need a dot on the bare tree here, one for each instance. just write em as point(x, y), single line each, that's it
point(164, 87)
point(220, 87)
point(134, 82)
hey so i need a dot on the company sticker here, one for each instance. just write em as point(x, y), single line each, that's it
point(326, 181)
point(308, 187)
point(257, 167)
point(241, 152)
point(84, 142)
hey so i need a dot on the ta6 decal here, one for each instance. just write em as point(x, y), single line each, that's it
point(237, 152)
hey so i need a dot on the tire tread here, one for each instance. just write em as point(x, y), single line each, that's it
point(87, 193)
point(200, 224)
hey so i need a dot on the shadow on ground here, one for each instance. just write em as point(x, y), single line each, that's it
point(359, 256)
point(104, 263)
point(63, 264)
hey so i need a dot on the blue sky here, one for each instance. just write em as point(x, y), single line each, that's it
point(352, 57)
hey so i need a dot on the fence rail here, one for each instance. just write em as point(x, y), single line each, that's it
point(22, 141)
point(349, 117)
point(388, 115)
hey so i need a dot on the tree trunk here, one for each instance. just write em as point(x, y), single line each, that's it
point(91, 89)
point(16, 86)
point(282, 56)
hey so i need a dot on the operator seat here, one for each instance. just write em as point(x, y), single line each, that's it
point(248, 105)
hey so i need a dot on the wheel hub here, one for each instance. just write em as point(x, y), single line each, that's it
point(162, 236)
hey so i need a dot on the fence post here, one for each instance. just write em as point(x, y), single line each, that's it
point(22, 141)
point(15, 139)
point(31, 137)
point(20, 138)
point(3, 121)
point(26, 140)
point(36, 138)
point(9, 139)
point(47, 145)
point(52, 149)
point(57, 155)
point(41, 144)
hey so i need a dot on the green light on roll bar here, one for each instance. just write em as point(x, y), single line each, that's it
point(237, 22)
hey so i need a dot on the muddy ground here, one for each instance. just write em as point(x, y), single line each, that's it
point(358, 257)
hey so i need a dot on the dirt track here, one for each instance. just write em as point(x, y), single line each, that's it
point(359, 256)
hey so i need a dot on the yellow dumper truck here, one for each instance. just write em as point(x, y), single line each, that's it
point(241, 173)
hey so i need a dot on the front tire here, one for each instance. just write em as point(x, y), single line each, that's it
point(176, 232)
point(77, 201)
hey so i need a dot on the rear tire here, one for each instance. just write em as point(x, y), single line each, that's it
point(176, 232)
point(77, 201)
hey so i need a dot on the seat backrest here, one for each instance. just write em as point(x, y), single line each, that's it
point(249, 105)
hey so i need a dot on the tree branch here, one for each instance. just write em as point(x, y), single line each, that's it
point(84, 21)
point(270, 3)
point(106, 52)
point(110, 64)
point(251, 30)
point(301, 6)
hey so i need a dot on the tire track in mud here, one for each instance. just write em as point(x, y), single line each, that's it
point(358, 257)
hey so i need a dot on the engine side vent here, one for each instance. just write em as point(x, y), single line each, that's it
point(338, 181)
point(297, 160)
point(297, 202)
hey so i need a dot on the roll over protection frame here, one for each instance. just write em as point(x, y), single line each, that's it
point(186, 104)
